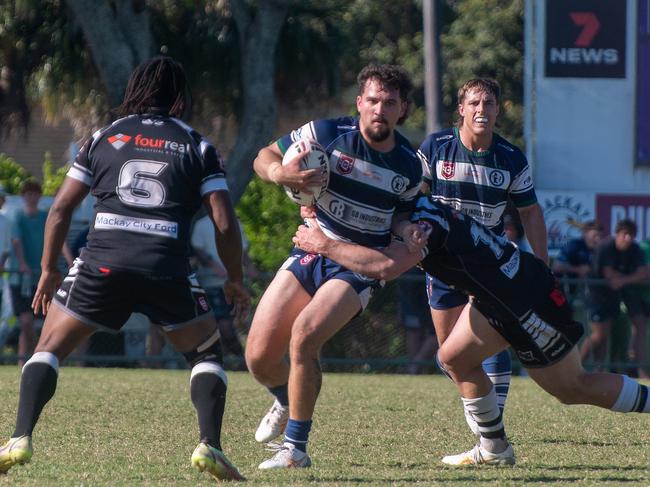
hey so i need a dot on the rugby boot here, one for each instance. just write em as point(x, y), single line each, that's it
point(480, 456)
point(16, 450)
point(208, 459)
point(273, 423)
point(286, 456)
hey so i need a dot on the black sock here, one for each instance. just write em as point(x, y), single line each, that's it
point(37, 386)
point(208, 392)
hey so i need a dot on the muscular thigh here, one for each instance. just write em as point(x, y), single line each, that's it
point(472, 340)
point(335, 303)
point(276, 312)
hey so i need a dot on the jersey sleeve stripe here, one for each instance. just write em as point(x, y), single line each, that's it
point(80, 174)
point(204, 147)
point(212, 184)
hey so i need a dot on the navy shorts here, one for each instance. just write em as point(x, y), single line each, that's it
point(606, 308)
point(105, 298)
point(21, 303)
point(314, 270)
point(413, 305)
point(442, 297)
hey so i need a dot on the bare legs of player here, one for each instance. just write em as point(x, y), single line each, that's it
point(473, 339)
point(288, 319)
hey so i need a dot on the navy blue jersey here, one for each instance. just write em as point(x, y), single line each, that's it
point(148, 174)
point(469, 257)
point(477, 183)
point(366, 187)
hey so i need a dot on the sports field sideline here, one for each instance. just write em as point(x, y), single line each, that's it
point(137, 427)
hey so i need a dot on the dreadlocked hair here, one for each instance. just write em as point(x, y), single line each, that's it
point(158, 83)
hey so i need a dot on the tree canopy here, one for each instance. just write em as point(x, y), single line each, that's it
point(244, 58)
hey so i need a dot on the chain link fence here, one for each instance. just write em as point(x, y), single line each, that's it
point(374, 341)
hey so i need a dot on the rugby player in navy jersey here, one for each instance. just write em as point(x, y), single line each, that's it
point(515, 301)
point(374, 175)
point(149, 173)
point(476, 171)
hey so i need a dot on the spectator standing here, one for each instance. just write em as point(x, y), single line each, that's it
point(27, 236)
point(211, 274)
point(620, 261)
point(5, 240)
point(421, 341)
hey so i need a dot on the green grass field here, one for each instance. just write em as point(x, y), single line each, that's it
point(137, 427)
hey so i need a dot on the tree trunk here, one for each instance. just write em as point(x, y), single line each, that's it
point(119, 36)
point(258, 37)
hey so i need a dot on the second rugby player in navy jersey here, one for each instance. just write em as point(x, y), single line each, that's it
point(476, 171)
point(374, 176)
point(515, 301)
point(149, 173)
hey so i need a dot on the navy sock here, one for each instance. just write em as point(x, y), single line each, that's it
point(297, 433)
point(281, 393)
point(499, 369)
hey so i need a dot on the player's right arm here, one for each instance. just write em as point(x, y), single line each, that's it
point(384, 264)
point(268, 166)
point(228, 241)
point(71, 193)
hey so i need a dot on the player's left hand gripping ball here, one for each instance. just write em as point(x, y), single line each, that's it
point(313, 157)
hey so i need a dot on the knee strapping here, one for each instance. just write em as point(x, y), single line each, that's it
point(208, 351)
point(209, 368)
point(46, 358)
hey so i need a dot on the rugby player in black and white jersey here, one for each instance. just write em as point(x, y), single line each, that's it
point(473, 169)
point(149, 173)
point(515, 301)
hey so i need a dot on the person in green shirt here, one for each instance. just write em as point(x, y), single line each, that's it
point(27, 235)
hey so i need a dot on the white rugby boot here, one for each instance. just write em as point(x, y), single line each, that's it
point(480, 456)
point(273, 423)
point(286, 456)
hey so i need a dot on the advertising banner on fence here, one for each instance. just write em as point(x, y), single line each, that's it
point(564, 211)
point(585, 38)
point(610, 208)
point(643, 81)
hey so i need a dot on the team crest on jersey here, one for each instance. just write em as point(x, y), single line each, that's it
point(497, 178)
point(345, 164)
point(448, 169)
point(119, 140)
point(307, 259)
point(398, 184)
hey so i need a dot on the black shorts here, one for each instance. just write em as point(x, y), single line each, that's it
point(105, 298)
point(544, 335)
point(21, 303)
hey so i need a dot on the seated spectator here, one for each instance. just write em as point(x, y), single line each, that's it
point(574, 260)
point(621, 263)
point(421, 341)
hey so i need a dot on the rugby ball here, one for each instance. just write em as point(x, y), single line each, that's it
point(314, 157)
